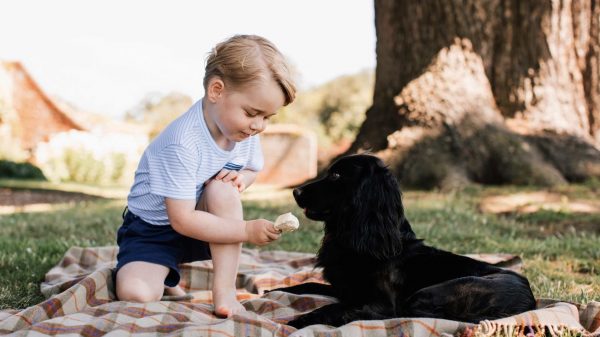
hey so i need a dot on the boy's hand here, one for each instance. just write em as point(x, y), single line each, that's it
point(261, 232)
point(235, 177)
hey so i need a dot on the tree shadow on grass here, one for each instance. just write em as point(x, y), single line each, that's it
point(22, 199)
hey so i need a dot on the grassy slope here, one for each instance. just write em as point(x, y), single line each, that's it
point(563, 263)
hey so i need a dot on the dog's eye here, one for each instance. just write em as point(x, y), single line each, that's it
point(334, 176)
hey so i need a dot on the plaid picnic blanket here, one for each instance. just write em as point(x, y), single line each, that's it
point(81, 301)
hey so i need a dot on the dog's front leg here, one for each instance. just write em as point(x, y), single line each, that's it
point(337, 314)
point(308, 288)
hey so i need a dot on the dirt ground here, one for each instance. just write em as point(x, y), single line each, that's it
point(24, 197)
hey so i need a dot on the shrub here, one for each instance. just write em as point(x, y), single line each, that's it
point(88, 157)
point(13, 170)
point(334, 110)
point(157, 111)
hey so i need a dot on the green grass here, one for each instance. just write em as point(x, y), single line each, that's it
point(562, 262)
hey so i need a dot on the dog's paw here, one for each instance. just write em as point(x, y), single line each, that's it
point(299, 323)
point(276, 289)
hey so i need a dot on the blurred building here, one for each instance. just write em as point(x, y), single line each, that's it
point(29, 116)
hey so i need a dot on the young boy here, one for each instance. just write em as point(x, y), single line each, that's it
point(185, 203)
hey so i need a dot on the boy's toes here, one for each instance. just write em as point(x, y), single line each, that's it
point(226, 303)
point(222, 312)
point(225, 311)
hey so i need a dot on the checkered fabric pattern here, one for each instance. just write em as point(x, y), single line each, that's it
point(81, 301)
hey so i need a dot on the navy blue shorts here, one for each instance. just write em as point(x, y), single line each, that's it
point(160, 244)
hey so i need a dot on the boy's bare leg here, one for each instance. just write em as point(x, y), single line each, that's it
point(174, 291)
point(141, 282)
point(226, 259)
point(222, 199)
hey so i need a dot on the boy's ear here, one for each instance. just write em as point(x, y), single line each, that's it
point(215, 89)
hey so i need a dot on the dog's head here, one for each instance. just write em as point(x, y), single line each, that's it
point(359, 200)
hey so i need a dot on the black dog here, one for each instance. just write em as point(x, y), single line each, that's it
point(377, 267)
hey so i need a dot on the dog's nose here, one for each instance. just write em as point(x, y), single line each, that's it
point(297, 192)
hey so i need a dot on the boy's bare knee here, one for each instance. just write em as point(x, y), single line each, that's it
point(137, 291)
point(134, 289)
point(219, 194)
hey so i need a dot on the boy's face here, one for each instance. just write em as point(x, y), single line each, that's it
point(242, 112)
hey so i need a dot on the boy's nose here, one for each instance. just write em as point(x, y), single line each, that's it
point(257, 126)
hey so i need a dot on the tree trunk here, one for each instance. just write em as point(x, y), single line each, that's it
point(494, 91)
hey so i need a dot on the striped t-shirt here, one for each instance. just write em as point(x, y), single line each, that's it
point(180, 160)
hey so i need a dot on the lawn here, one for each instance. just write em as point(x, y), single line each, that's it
point(560, 249)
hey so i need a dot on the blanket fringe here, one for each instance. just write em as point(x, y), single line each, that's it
point(495, 329)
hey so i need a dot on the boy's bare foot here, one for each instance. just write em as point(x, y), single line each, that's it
point(174, 291)
point(226, 303)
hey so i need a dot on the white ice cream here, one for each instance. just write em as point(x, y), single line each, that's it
point(287, 222)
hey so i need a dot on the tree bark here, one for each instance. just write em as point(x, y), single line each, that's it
point(486, 91)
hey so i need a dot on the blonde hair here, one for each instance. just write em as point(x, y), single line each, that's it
point(243, 59)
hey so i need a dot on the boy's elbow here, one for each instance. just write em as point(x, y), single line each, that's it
point(178, 223)
point(180, 214)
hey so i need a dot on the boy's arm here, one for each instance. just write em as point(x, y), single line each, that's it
point(248, 177)
point(188, 221)
point(203, 225)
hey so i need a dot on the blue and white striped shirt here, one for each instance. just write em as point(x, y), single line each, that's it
point(180, 160)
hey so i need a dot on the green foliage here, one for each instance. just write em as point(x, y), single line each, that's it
point(10, 169)
point(82, 167)
point(91, 158)
point(593, 183)
point(159, 110)
point(335, 110)
point(119, 162)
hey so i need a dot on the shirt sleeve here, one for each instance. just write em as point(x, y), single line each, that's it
point(173, 173)
point(256, 160)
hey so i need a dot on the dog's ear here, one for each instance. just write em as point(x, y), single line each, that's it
point(374, 223)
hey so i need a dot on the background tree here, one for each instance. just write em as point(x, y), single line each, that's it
point(158, 110)
point(494, 91)
point(334, 110)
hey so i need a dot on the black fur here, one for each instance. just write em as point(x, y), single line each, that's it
point(376, 266)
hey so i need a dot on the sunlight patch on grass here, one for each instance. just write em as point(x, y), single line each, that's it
point(531, 202)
